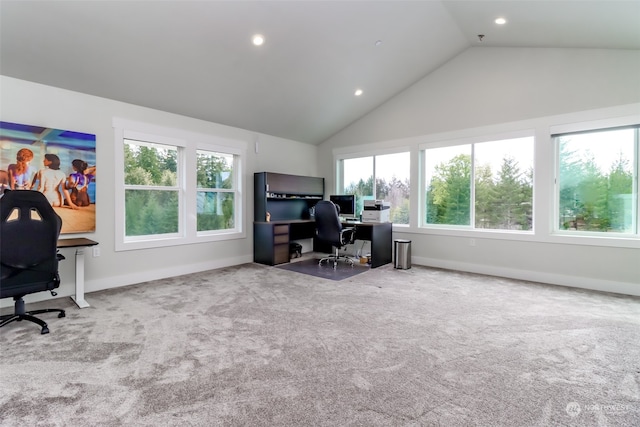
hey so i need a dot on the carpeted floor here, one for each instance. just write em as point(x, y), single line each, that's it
point(253, 345)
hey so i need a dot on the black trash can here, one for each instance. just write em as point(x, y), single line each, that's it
point(402, 254)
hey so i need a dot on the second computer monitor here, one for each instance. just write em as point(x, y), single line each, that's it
point(346, 203)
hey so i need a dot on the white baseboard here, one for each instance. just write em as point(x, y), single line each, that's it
point(131, 279)
point(173, 271)
point(534, 276)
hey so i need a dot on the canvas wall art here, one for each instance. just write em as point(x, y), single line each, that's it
point(59, 163)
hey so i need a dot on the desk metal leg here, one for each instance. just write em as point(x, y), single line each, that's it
point(79, 296)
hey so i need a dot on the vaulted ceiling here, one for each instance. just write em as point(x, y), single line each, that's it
point(196, 58)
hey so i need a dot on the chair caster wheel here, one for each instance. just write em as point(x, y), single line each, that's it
point(44, 331)
point(62, 315)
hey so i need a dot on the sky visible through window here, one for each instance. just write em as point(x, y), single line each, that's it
point(490, 152)
point(604, 148)
point(357, 169)
point(387, 166)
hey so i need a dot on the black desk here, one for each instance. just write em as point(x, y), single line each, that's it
point(271, 239)
point(379, 234)
point(79, 244)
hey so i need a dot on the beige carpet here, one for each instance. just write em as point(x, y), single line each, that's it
point(260, 346)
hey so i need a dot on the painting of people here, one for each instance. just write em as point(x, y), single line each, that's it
point(61, 164)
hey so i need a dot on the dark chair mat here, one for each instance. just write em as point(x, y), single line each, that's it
point(310, 266)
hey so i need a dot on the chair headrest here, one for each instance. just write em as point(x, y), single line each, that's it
point(29, 228)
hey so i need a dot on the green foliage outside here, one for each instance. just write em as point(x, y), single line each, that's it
point(363, 190)
point(449, 192)
point(503, 201)
point(215, 208)
point(506, 201)
point(592, 199)
point(396, 192)
point(215, 211)
point(155, 210)
point(150, 211)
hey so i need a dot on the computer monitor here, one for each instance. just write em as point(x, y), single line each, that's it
point(346, 203)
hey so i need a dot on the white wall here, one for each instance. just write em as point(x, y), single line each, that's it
point(486, 91)
point(29, 103)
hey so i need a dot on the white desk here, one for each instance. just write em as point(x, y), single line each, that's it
point(79, 244)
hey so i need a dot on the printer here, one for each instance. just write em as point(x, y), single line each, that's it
point(376, 211)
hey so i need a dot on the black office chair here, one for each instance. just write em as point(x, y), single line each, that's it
point(329, 230)
point(29, 230)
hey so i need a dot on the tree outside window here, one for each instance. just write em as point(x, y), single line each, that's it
point(595, 181)
point(502, 177)
point(391, 183)
point(151, 191)
point(358, 179)
point(448, 197)
point(216, 191)
point(504, 184)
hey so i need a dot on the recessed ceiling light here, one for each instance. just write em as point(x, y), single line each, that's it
point(500, 21)
point(257, 40)
point(358, 92)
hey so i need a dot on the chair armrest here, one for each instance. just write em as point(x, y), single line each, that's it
point(351, 232)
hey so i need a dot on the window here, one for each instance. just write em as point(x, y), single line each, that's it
point(596, 186)
point(175, 187)
point(152, 196)
point(216, 191)
point(448, 177)
point(485, 185)
point(383, 177)
point(392, 184)
point(503, 177)
point(357, 178)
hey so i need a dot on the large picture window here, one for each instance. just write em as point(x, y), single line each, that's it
point(382, 177)
point(486, 185)
point(596, 191)
point(175, 187)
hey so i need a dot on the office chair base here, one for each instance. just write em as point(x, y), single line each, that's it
point(335, 259)
point(20, 315)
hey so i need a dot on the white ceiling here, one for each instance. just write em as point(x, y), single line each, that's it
point(195, 58)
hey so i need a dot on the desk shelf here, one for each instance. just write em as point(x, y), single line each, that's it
point(285, 197)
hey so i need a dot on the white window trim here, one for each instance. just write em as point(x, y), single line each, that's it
point(355, 152)
point(594, 126)
point(238, 190)
point(476, 139)
point(189, 142)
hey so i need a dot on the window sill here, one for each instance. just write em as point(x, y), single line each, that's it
point(177, 241)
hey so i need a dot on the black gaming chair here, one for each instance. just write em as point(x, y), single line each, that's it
point(329, 230)
point(29, 230)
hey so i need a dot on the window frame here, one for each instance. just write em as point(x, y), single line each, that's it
point(543, 180)
point(345, 154)
point(179, 145)
point(472, 141)
point(237, 179)
point(586, 128)
point(188, 144)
